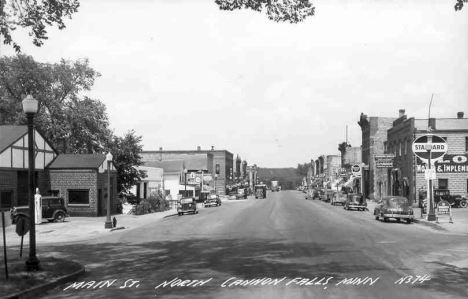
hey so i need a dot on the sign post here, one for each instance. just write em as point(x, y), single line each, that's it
point(430, 147)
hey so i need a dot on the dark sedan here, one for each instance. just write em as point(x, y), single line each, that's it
point(397, 207)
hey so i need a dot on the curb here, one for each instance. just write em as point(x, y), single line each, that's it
point(37, 291)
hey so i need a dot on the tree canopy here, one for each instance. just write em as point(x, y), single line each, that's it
point(34, 15)
point(71, 122)
point(126, 151)
point(292, 11)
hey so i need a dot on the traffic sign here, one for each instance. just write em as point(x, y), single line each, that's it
point(432, 145)
point(22, 226)
point(430, 174)
point(356, 170)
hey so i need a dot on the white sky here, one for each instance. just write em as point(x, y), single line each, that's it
point(183, 74)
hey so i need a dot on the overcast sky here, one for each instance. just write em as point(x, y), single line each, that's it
point(183, 74)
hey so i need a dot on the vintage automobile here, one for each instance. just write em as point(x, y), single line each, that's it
point(212, 200)
point(453, 200)
point(328, 195)
point(260, 191)
point(241, 193)
point(397, 207)
point(187, 205)
point(339, 198)
point(310, 194)
point(318, 193)
point(355, 201)
point(53, 209)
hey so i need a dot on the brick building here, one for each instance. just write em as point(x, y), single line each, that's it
point(407, 175)
point(374, 135)
point(452, 169)
point(82, 180)
point(224, 158)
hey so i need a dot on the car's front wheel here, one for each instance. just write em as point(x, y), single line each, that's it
point(463, 204)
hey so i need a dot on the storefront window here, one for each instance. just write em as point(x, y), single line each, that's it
point(78, 197)
point(5, 199)
point(443, 183)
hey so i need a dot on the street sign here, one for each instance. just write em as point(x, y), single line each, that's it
point(432, 144)
point(430, 174)
point(22, 226)
point(356, 170)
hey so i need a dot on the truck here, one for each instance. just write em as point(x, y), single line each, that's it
point(275, 186)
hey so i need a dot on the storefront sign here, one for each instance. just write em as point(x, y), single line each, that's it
point(449, 164)
point(384, 160)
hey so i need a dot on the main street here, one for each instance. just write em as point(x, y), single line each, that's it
point(280, 247)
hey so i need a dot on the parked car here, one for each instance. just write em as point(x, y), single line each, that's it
point(309, 194)
point(339, 198)
point(241, 193)
point(455, 201)
point(187, 205)
point(213, 200)
point(53, 209)
point(397, 207)
point(355, 201)
point(316, 194)
point(328, 195)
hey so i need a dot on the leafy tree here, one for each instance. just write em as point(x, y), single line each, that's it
point(459, 5)
point(72, 123)
point(126, 151)
point(292, 11)
point(302, 169)
point(34, 15)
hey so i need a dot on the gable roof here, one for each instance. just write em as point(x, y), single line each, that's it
point(73, 161)
point(11, 134)
point(168, 166)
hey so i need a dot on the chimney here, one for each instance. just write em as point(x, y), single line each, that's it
point(401, 112)
point(198, 148)
point(460, 114)
point(212, 147)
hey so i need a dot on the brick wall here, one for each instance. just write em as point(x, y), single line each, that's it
point(64, 180)
point(457, 182)
point(9, 182)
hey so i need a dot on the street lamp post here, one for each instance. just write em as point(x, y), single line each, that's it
point(216, 179)
point(185, 175)
point(108, 223)
point(30, 108)
point(431, 213)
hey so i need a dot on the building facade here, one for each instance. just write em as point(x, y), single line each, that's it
point(374, 135)
point(224, 158)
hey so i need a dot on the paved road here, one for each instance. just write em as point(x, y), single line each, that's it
point(279, 247)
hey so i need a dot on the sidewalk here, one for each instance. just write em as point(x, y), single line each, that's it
point(459, 219)
point(82, 228)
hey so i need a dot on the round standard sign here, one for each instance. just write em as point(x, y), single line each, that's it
point(432, 145)
point(356, 170)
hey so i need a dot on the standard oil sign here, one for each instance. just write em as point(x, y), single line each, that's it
point(429, 147)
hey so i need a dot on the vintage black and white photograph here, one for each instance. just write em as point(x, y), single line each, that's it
point(231, 149)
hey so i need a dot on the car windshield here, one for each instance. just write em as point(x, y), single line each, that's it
point(398, 200)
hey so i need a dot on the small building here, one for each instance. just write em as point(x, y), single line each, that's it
point(152, 183)
point(82, 179)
